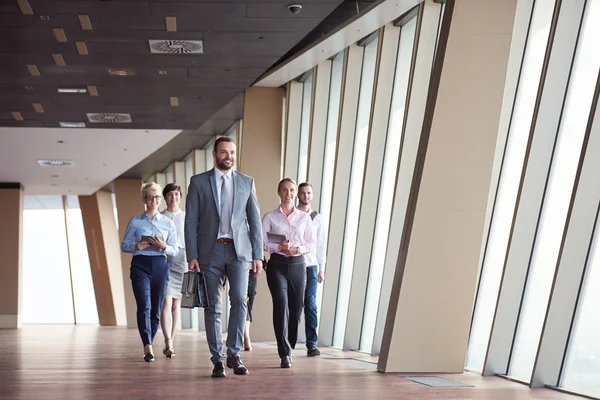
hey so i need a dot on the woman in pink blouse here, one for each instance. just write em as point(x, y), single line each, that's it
point(288, 235)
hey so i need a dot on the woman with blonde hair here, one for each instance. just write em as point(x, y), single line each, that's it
point(151, 237)
point(288, 235)
point(170, 310)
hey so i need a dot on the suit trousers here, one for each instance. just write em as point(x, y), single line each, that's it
point(286, 277)
point(149, 276)
point(224, 264)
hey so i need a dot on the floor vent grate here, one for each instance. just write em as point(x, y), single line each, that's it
point(436, 381)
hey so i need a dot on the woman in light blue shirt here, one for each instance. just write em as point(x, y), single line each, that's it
point(150, 236)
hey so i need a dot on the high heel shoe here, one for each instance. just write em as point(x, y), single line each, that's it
point(149, 357)
point(169, 352)
point(286, 362)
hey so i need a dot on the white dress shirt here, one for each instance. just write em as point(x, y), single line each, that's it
point(297, 228)
point(178, 218)
point(218, 177)
point(317, 257)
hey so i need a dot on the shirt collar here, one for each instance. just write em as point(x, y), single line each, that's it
point(281, 210)
point(219, 174)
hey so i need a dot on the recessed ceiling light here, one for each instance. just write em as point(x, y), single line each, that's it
point(162, 72)
point(124, 149)
point(56, 163)
point(72, 90)
point(53, 176)
point(28, 87)
point(122, 71)
point(53, 184)
point(60, 141)
point(44, 17)
point(71, 125)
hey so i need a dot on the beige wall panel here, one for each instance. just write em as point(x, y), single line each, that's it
point(11, 246)
point(105, 261)
point(261, 149)
point(199, 162)
point(129, 203)
point(431, 319)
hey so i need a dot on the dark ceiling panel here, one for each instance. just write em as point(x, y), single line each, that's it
point(95, 8)
point(280, 10)
point(177, 9)
point(241, 40)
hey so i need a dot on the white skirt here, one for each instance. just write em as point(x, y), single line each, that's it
point(177, 267)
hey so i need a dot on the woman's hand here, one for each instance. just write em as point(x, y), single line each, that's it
point(284, 246)
point(158, 241)
point(293, 251)
point(142, 245)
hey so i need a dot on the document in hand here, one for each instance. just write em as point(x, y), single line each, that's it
point(275, 238)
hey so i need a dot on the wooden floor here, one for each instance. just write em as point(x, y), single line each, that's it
point(86, 362)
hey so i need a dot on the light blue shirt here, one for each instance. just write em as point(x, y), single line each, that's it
point(141, 225)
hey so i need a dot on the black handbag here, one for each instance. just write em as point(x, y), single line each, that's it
point(193, 290)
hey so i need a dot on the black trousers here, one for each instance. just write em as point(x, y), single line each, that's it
point(286, 277)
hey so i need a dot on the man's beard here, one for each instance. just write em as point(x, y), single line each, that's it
point(222, 166)
point(304, 203)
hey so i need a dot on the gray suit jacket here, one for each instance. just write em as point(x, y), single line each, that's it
point(202, 218)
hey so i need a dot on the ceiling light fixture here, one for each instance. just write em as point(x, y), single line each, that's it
point(72, 90)
point(44, 18)
point(71, 125)
point(56, 163)
point(162, 72)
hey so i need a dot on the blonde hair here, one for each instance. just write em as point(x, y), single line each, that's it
point(290, 180)
point(150, 186)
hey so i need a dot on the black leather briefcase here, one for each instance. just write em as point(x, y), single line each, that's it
point(193, 290)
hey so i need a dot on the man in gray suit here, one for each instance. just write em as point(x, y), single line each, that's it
point(223, 239)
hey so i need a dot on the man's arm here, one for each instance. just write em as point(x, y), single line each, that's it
point(191, 221)
point(321, 243)
point(255, 224)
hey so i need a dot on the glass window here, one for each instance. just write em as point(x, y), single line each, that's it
point(506, 195)
point(305, 128)
point(582, 364)
point(46, 275)
point(333, 113)
point(388, 179)
point(86, 311)
point(355, 191)
point(558, 193)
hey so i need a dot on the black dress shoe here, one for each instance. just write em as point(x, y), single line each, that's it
point(218, 370)
point(149, 357)
point(236, 363)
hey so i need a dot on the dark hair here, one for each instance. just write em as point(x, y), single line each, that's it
point(171, 187)
point(304, 184)
point(220, 140)
point(290, 180)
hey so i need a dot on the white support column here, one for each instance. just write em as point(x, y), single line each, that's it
point(343, 165)
point(292, 137)
point(533, 185)
point(425, 50)
point(573, 257)
point(376, 145)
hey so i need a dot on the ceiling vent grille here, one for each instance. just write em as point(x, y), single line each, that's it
point(56, 163)
point(176, 46)
point(109, 118)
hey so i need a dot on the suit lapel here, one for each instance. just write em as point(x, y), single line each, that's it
point(234, 178)
point(213, 185)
